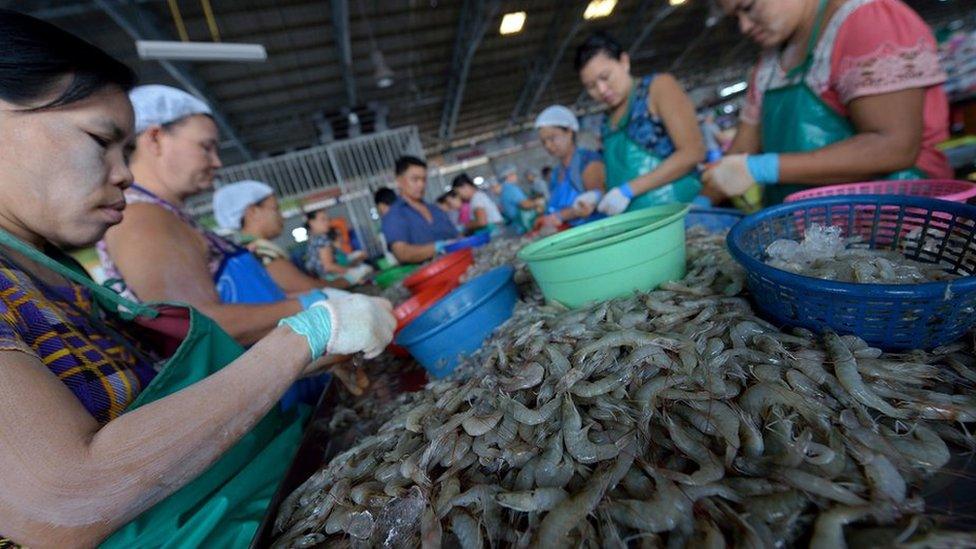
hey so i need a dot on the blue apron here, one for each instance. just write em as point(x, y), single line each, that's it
point(565, 187)
point(242, 279)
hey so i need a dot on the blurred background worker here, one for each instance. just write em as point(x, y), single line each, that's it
point(519, 210)
point(415, 229)
point(485, 215)
point(579, 179)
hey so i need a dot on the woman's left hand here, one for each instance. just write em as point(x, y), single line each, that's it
point(729, 177)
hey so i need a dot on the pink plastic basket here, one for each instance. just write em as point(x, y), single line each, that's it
point(943, 189)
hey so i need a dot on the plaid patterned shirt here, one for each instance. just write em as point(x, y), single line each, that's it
point(54, 325)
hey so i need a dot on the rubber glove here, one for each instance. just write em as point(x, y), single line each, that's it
point(346, 325)
point(591, 198)
point(355, 275)
point(701, 202)
point(616, 201)
point(440, 245)
point(311, 298)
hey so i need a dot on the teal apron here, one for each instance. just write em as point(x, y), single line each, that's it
point(796, 120)
point(222, 507)
point(627, 160)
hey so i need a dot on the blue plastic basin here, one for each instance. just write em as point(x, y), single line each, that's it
point(713, 220)
point(474, 241)
point(460, 322)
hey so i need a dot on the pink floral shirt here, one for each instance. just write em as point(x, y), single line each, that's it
point(870, 47)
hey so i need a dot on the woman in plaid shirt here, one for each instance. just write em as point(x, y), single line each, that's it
point(77, 462)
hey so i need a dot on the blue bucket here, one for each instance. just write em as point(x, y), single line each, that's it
point(474, 241)
point(460, 322)
point(713, 220)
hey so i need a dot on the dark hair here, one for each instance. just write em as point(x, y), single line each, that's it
point(442, 199)
point(384, 195)
point(405, 162)
point(546, 171)
point(36, 55)
point(460, 180)
point(597, 43)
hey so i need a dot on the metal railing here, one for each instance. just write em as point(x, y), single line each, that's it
point(356, 166)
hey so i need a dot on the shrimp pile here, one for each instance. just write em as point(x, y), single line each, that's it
point(676, 417)
point(824, 253)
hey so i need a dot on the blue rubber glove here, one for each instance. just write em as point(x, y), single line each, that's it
point(626, 191)
point(764, 168)
point(440, 245)
point(315, 324)
point(701, 201)
point(312, 297)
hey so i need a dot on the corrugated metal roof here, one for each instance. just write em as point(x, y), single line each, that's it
point(272, 105)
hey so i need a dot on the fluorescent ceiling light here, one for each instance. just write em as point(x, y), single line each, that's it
point(512, 22)
point(599, 8)
point(676, 2)
point(479, 180)
point(200, 51)
point(300, 234)
point(733, 89)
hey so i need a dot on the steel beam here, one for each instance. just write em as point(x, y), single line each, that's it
point(139, 24)
point(340, 22)
point(476, 16)
point(540, 61)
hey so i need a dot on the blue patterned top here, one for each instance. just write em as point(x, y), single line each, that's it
point(642, 127)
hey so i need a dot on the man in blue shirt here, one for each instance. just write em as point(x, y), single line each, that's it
point(415, 229)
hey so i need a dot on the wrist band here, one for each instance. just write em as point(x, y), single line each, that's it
point(626, 191)
point(764, 168)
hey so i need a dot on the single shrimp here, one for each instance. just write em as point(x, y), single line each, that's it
point(845, 367)
point(540, 499)
point(577, 442)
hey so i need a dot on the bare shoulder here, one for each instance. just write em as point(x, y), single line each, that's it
point(145, 223)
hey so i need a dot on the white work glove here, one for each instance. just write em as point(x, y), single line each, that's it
point(590, 198)
point(729, 176)
point(360, 323)
point(345, 325)
point(614, 202)
point(335, 293)
point(355, 275)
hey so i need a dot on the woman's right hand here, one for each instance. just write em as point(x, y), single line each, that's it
point(346, 325)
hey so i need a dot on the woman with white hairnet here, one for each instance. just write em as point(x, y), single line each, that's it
point(251, 210)
point(160, 252)
point(579, 177)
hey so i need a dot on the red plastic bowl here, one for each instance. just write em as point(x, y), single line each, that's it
point(410, 309)
point(447, 270)
point(943, 189)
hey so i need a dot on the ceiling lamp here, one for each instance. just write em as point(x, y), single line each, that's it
point(733, 89)
point(200, 51)
point(599, 8)
point(384, 75)
point(676, 2)
point(512, 22)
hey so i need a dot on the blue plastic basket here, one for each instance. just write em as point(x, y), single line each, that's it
point(474, 241)
point(890, 316)
point(460, 322)
point(714, 220)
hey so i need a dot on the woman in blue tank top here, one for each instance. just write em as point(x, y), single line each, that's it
point(651, 141)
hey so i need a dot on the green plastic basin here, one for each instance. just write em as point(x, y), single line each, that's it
point(612, 257)
point(389, 277)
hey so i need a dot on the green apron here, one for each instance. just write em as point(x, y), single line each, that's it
point(627, 160)
point(796, 120)
point(222, 507)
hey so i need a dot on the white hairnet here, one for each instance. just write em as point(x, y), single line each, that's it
point(230, 202)
point(507, 170)
point(557, 115)
point(155, 105)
